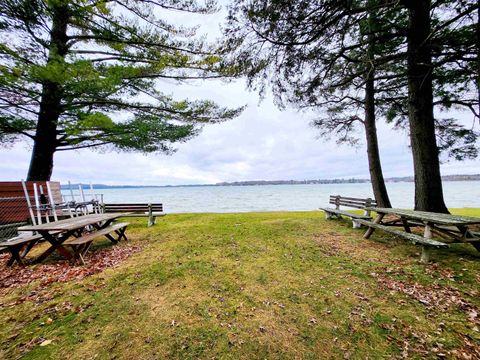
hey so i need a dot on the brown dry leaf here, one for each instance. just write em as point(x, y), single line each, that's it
point(62, 271)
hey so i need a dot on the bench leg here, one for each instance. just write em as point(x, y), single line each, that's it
point(111, 238)
point(121, 234)
point(328, 215)
point(83, 252)
point(76, 253)
point(425, 257)
point(79, 252)
point(356, 224)
point(152, 220)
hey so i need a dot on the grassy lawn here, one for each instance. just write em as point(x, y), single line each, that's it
point(256, 285)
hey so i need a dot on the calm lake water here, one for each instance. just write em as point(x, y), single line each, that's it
point(279, 197)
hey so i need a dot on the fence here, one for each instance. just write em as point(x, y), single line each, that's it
point(13, 213)
point(14, 210)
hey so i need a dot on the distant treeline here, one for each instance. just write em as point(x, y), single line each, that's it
point(343, 181)
point(475, 177)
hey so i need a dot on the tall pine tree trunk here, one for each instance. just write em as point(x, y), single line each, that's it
point(478, 61)
point(428, 182)
point(45, 141)
point(374, 164)
point(373, 154)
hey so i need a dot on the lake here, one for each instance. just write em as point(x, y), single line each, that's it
point(457, 194)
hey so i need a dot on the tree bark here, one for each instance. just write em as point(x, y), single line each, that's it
point(374, 164)
point(45, 140)
point(373, 153)
point(478, 62)
point(428, 182)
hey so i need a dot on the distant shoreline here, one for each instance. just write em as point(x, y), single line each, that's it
point(475, 177)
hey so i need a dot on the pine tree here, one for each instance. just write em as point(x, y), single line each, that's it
point(86, 74)
point(313, 55)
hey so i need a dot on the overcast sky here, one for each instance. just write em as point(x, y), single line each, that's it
point(262, 143)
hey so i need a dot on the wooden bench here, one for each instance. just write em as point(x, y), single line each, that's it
point(414, 238)
point(151, 210)
point(80, 245)
point(351, 202)
point(15, 246)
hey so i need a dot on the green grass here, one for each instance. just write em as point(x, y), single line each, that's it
point(253, 286)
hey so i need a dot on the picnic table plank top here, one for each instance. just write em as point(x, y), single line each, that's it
point(72, 223)
point(437, 218)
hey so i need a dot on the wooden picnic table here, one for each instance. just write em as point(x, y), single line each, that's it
point(448, 228)
point(57, 232)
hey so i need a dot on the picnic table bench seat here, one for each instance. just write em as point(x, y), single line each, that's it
point(357, 203)
point(152, 210)
point(16, 244)
point(414, 238)
point(80, 245)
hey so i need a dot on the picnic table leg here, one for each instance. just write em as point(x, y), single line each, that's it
point(406, 226)
point(467, 234)
point(425, 257)
point(29, 247)
point(15, 256)
point(111, 238)
point(56, 244)
point(370, 230)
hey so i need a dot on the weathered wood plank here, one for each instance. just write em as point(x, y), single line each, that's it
point(20, 240)
point(346, 213)
point(351, 198)
point(414, 238)
point(93, 235)
point(425, 216)
point(72, 223)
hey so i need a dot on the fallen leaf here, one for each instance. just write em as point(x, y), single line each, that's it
point(45, 342)
point(472, 315)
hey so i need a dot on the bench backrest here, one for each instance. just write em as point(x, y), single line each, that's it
point(140, 208)
point(357, 203)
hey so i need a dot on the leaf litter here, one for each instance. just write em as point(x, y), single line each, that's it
point(62, 271)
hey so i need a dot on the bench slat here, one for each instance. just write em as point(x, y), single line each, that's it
point(93, 235)
point(126, 210)
point(346, 213)
point(141, 214)
point(350, 198)
point(21, 240)
point(416, 239)
point(349, 201)
point(357, 206)
point(137, 210)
